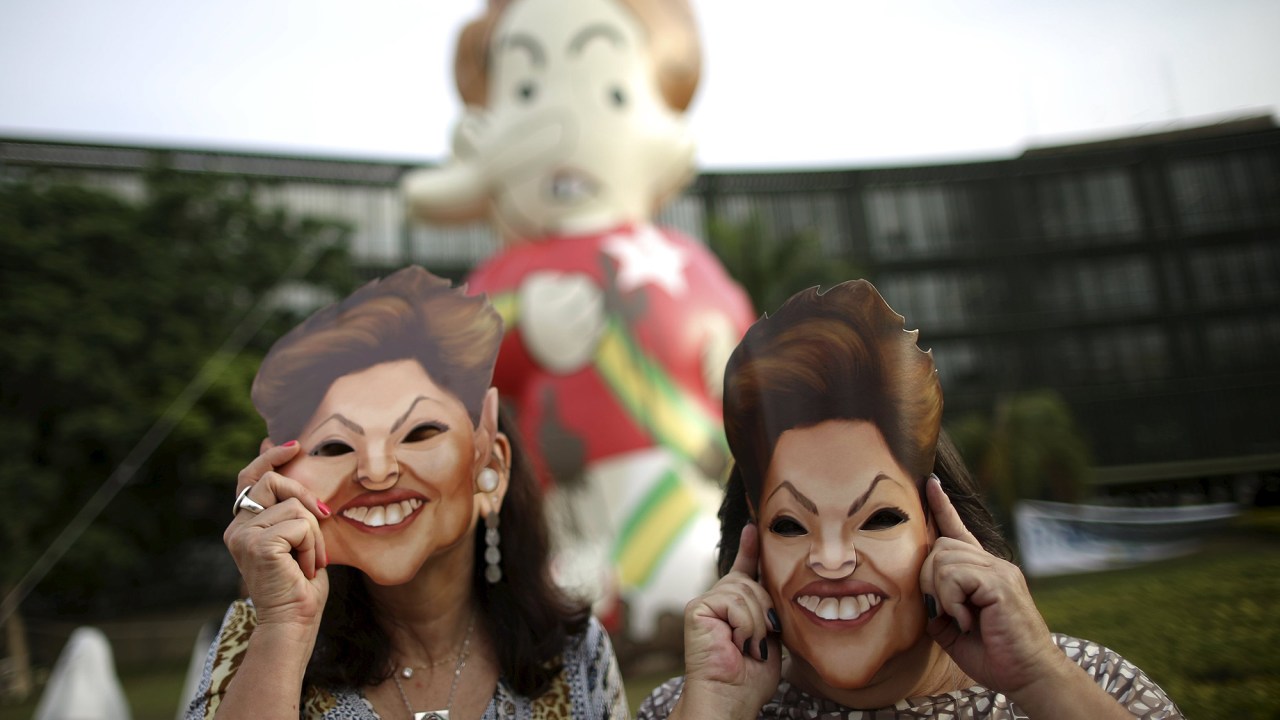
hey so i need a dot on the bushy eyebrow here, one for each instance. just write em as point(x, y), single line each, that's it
point(805, 502)
point(857, 504)
point(809, 505)
point(405, 416)
point(342, 419)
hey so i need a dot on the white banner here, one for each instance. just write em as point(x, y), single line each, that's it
point(1059, 538)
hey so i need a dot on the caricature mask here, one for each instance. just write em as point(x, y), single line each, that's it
point(833, 415)
point(388, 393)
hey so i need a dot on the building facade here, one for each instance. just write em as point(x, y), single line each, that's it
point(1139, 277)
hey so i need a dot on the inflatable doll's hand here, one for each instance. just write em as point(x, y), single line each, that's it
point(486, 153)
point(561, 319)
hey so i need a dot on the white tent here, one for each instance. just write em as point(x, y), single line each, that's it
point(84, 685)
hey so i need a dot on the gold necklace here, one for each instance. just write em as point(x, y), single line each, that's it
point(453, 687)
point(406, 672)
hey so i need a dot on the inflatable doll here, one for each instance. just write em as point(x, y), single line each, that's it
point(573, 135)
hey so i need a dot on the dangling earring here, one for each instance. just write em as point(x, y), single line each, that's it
point(492, 555)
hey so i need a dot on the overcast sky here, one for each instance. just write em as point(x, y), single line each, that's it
point(786, 84)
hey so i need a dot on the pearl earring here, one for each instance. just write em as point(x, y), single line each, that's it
point(487, 480)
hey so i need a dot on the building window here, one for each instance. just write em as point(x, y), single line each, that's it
point(918, 220)
point(1095, 205)
point(1225, 192)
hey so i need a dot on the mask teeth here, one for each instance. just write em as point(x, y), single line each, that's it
point(382, 515)
point(849, 607)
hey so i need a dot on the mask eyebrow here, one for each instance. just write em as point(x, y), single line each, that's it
point(342, 419)
point(405, 416)
point(591, 32)
point(805, 502)
point(857, 504)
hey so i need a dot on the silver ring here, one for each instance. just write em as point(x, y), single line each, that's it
point(244, 502)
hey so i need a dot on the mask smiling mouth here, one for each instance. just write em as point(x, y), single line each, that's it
point(846, 607)
point(383, 515)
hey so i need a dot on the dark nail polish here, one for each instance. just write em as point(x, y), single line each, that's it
point(764, 649)
point(931, 606)
point(774, 621)
point(746, 646)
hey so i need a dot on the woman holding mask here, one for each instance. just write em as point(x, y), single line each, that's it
point(853, 537)
point(390, 536)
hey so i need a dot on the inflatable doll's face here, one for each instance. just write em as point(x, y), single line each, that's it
point(843, 537)
point(392, 454)
point(575, 137)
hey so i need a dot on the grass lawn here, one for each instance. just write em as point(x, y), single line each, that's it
point(1206, 627)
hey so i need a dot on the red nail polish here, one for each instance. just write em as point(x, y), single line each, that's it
point(291, 443)
point(324, 509)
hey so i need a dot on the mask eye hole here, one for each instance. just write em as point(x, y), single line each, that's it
point(787, 527)
point(333, 448)
point(424, 432)
point(617, 96)
point(884, 519)
point(526, 91)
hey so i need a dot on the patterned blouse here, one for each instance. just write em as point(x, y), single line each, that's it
point(589, 686)
point(1125, 682)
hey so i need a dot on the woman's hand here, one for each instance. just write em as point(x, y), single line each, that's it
point(986, 619)
point(732, 665)
point(280, 551)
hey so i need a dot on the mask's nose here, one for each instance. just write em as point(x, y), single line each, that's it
point(378, 471)
point(833, 558)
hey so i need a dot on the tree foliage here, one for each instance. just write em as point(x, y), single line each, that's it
point(109, 309)
point(1031, 449)
point(771, 268)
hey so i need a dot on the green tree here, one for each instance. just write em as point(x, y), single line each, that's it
point(109, 309)
point(772, 269)
point(1031, 449)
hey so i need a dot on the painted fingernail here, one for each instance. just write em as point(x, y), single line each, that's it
point(291, 443)
point(746, 646)
point(773, 620)
point(324, 509)
point(931, 606)
point(764, 649)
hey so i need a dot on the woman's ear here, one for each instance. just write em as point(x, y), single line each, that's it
point(493, 457)
point(486, 430)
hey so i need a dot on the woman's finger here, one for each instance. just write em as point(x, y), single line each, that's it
point(272, 488)
point(747, 562)
point(944, 513)
point(270, 459)
point(736, 606)
point(951, 573)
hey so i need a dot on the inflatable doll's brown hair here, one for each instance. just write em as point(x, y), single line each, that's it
point(669, 25)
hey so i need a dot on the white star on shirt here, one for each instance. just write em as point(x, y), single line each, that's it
point(646, 257)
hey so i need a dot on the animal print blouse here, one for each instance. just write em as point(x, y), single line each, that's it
point(589, 686)
point(1124, 681)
